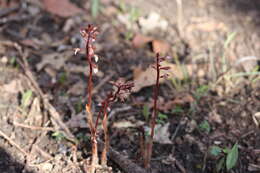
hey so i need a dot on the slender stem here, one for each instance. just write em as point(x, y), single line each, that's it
point(149, 144)
point(90, 84)
point(105, 149)
point(95, 159)
point(156, 93)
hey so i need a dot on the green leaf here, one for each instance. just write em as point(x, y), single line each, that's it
point(58, 135)
point(202, 90)
point(146, 112)
point(26, 98)
point(95, 5)
point(226, 150)
point(215, 150)
point(162, 116)
point(204, 126)
point(63, 78)
point(232, 157)
point(177, 110)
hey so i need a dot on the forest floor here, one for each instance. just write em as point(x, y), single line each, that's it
point(209, 107)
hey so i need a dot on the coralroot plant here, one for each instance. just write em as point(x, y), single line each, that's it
point(148, 148)
point(122, 89)
point(89, 34)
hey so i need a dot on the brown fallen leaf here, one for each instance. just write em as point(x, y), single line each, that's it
point(148, 77)
point(161, 47)
point(140, 40)
point(62, 8)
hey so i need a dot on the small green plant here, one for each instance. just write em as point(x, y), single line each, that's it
point(26, 98)
point(227, 158)
point(201, 91)
point(146, 112)
point(161, 118)
point(204, 126)
point(63, 78)
point(58, 135)
point(177, 110)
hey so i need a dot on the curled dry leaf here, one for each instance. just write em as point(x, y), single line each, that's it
point(62, 8)
point(148, 77)
point(140, 40)
point(158, 46)
point(161, 47)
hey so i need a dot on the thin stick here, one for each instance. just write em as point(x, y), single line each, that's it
point(33, 127)
point(13, 143)
point(56, 118)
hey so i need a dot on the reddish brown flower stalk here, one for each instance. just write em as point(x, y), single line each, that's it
point(89, 34)
point(121, 90)
point(149, 146)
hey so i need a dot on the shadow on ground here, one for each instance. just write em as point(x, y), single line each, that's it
point(245, 7)
point(9, 165)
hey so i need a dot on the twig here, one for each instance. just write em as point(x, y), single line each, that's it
point(13, 143)
point(33, 127)
point(56, 118)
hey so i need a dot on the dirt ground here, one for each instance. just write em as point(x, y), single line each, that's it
point(205, 110)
